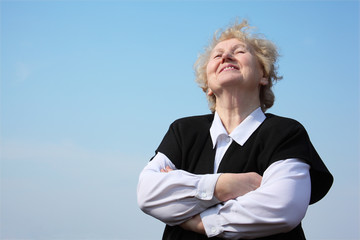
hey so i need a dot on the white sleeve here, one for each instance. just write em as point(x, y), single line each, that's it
point(277, 206)
point(176, 196)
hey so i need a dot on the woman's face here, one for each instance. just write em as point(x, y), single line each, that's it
point(233, 65)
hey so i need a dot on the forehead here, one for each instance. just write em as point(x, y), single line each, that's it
point(229, 44)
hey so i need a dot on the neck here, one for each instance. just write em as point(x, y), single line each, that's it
point(233, 110)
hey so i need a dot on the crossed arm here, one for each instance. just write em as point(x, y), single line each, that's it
point(228, 186)
point(228, 205)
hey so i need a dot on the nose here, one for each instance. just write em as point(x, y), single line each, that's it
point(227, 56)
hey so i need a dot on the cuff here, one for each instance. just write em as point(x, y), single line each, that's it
point(206, 187)
point(212, 221)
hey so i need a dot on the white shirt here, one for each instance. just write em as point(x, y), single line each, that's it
point(278, 205)
point(222, 140)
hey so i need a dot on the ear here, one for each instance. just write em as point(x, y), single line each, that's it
point(264, 81)
point(209, 92)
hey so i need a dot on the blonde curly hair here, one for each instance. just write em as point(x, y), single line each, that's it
point(264, 50)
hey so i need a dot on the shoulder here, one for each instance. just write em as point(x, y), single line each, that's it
point(281, 124)
point(199, 121)
point(194, 127)
point(276, 130)
point(275, 120)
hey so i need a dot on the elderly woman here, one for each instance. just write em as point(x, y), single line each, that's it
point(237, 173)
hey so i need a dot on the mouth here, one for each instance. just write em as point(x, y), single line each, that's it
point(228, 67)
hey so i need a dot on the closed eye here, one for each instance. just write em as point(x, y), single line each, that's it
point(239, 48)
point(217, 54)
point(239, 51)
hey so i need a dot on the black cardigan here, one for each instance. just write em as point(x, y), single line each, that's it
point(188, 145)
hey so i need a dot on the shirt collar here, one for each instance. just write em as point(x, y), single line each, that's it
point(242, 132)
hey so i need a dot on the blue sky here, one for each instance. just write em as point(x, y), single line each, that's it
point(89, 88)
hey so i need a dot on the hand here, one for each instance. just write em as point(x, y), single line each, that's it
point(166, 169)
point(233, 185)
point(194, 224)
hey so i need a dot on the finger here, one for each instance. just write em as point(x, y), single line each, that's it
point(168, 169)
